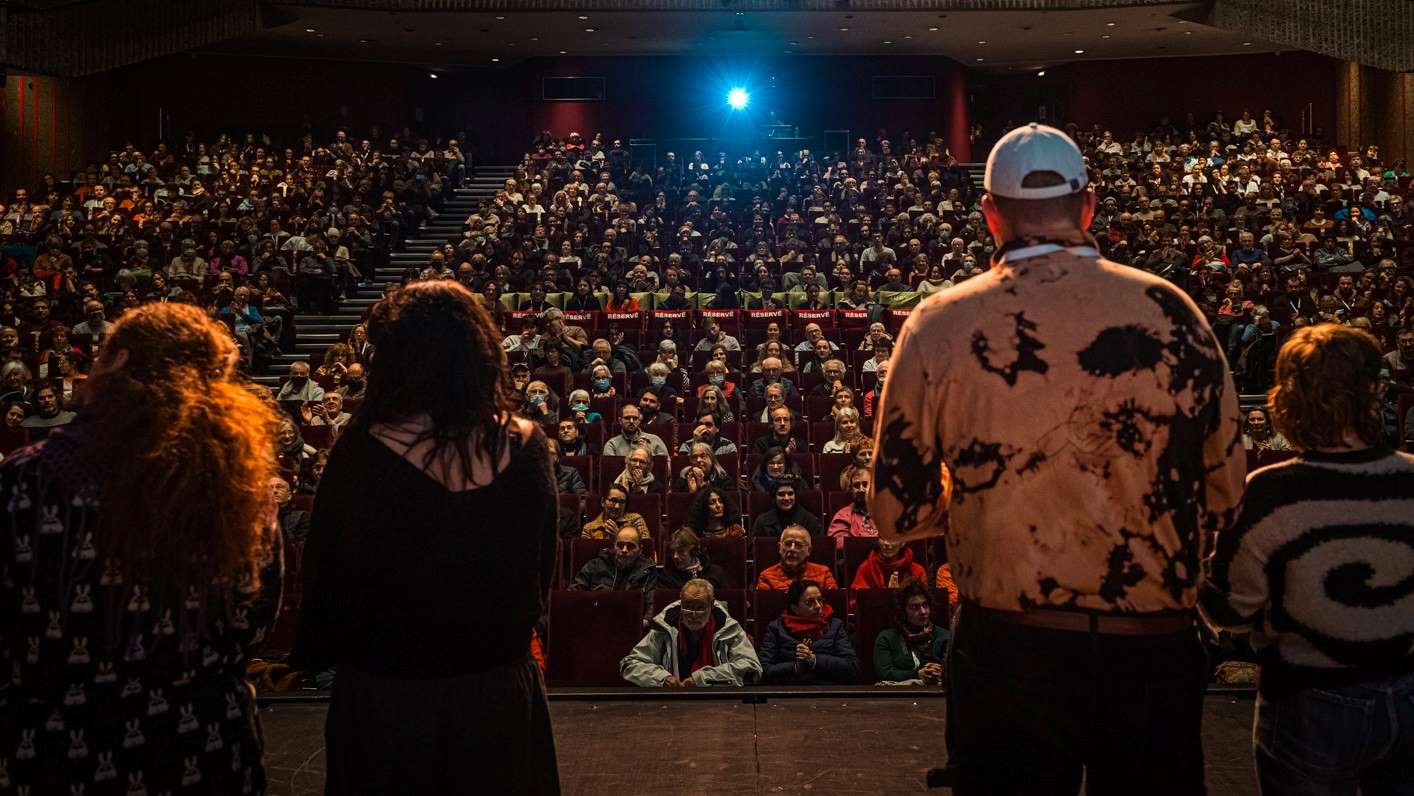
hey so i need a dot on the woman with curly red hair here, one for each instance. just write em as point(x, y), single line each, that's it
point(143, 565)
point(1319, 569)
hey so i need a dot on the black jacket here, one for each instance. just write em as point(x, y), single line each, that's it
point(835, 661)
point(568, 481)
point(772, 522)
point(602, 573)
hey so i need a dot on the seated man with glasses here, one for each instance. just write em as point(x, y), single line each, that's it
point(692, 642)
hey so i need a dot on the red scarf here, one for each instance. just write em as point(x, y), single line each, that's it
point(805, 628)
point(876, 569)
point(703, 657)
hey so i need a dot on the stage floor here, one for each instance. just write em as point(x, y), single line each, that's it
point(834, 746)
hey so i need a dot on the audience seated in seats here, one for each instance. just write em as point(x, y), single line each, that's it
point(847, 436)
point(328, 412)
point(702, 470)
point(769, 351)
point(714, 335)
point(862, 460)
point(775, 398)
point(620, 566)
point(714, 514)
point(780, 437)
point(48, 413)
point(660, 381)
point(813, 334)
point(833, 374)
point(888, 566)
point(854, 520)
point(579, 409)
point(614, 516)
point(650, 405)
point(771, 370)
point(687, 559)
point(572, 442)
point(540, 403)
point(568, 480)
point(807, 644)
point(693, 642)
point(785, 511)
point(1258, 434)
point(723, 390)
point(631, 435)
point(871, 396)
point(774, 467)
point(294, 522)
point(912, 652)
point(290, 446)
point(794, 564)
point(708, 431)
point(637, 477)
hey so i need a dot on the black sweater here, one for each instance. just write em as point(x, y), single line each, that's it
point(404, 578)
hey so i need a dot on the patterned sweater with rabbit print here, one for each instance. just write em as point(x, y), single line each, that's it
point(109, 689)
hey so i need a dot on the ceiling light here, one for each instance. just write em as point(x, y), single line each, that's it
point(979, 60)
point(582, 17)
point(908, 37)
point(886, 41)
point(535, 38)
point(1247, 44)
point(1106, 36)
point(495, 60)
point(1041, 73)
point(589, 30)
point(1109, 24)
point(932, 29)
point(562, 52)
point(843, 29)
point(795, 44)
point(364, 41)
point(982, 42)
point(432, 75)
point(1079, 52)
point(500, 16)
point(1188, 33)
point(438, 43)
point(309, 30)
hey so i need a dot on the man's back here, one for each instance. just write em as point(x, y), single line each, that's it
point(1088, 428)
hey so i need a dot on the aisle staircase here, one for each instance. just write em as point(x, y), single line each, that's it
point(314, 333)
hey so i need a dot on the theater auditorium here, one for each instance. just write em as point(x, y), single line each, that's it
point(474, 396)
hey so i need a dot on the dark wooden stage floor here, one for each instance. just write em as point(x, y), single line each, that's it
point(826, 746)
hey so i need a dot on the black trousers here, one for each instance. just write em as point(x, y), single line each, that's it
point(1031, 709)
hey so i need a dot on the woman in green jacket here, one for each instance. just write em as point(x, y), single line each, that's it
point(912, 652)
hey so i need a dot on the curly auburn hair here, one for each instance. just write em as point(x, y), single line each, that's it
point(189, 501)
point(1327, 383)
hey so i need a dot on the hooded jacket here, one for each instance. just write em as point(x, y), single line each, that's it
point(655, 658)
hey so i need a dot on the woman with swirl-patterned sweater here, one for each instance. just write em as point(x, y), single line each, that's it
point(1319, 567)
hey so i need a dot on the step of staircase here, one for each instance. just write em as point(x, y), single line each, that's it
point(314, 333)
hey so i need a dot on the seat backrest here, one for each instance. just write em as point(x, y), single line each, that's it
point(589, 633)
point(317, 437)
point(13, 439)
point(874, 613)
point(730, 555)
point(582, 550)
point(831, 465)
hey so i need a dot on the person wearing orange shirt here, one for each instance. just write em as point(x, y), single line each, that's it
point(795, 564)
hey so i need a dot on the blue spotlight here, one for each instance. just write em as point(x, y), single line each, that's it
point(737, 98)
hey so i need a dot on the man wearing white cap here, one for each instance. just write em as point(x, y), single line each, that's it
point(1077, 461)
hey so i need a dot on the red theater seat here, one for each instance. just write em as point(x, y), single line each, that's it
point(874, 613)
point(589, 633)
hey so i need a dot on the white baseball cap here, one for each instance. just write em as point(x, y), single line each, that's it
point(1031, 149)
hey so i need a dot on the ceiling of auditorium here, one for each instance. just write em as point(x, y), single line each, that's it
point(992, 40)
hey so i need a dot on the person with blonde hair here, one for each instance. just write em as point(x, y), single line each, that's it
point(146, 568)
point(847, 435)
point(1317, 569)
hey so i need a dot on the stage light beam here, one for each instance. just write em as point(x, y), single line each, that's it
point(737, 98)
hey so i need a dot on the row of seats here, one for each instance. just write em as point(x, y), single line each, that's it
point(819, 471)
point(732, 321)
point(589, 632)
point(742, 560)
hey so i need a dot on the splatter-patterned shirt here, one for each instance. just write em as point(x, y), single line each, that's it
point(1071, 425)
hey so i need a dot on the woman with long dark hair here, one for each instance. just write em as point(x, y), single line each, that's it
point(143, 564)
point(429, 561)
